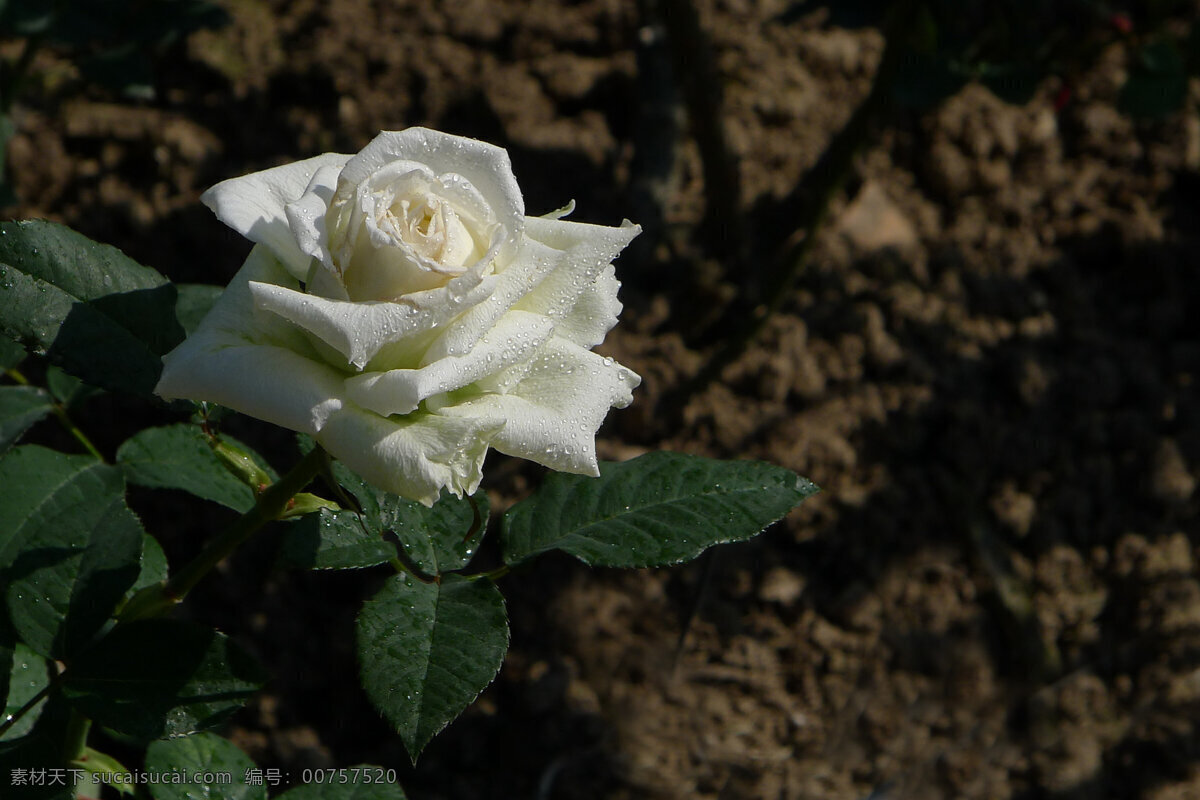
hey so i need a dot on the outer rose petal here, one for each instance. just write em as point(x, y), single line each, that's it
point(252, 361)
point(254, 206)
point(584, 251)
point(413, 456)
point(553, 414)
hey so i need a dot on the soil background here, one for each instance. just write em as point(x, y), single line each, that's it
point(989, 367)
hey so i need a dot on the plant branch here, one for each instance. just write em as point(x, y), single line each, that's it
point(272, 505)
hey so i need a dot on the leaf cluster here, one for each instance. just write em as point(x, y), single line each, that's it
point(85, 639)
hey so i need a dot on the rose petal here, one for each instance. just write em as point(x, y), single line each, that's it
point(400, 391)
point(254, 205)
point(413, 457)
point(530, 268)
point(252, 361)
point(553, 414)
point(359, 331)
point(586, 252)
point(306, 214)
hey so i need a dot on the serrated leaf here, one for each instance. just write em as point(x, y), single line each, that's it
point(658, 509)
point(73, 547)
point(355, 788)
point(25, 676)
point(426, 650)
point(153, 567)
point(156, 678)
point(435, 540)
point(333, 540)
point(179, 457)
point(100, 315)
point(194, 756)
point(20, 408)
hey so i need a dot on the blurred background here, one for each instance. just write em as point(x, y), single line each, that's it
point(942, 260)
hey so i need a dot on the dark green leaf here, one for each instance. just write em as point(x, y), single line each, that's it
point(364, 782)
point(156, 678)
point(66, 388)
point(25, 675)
point(1157, 83)
point(435, 540)
point(179, 457)
point(204, 753)
point(100, 315)
point(658, 509)
point(11, 353)
point(194, 302)
point(426, 650)
point(333, 540)
point(73, 547)
point(154, 565)
point(20, 408)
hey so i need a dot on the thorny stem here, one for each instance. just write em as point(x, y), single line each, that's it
point(60, 411)
point(272, 504)
point(805, 210)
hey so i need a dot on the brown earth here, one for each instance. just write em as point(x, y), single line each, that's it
point(989, 367)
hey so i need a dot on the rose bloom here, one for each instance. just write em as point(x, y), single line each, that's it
point(399, 307)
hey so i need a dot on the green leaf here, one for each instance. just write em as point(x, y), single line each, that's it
point(73, 547)
point(426, 650)
point(204, 753)
point(20, 408)
point(26, 675)
point(156, 678)
point(154, 565)
point(194, 302)
point(658, 509)
point(363, 782)
point(435, 540)
point(11, 353)
point(66, 388)
point(180, 457)
point(333, 540)
point(100, 315)
point(1157, 83)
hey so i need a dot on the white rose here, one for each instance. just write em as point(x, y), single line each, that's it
point(399, 307)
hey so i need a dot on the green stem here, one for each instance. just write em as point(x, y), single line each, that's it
point(78, 727)
point(272, 504)
point(60, 412)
